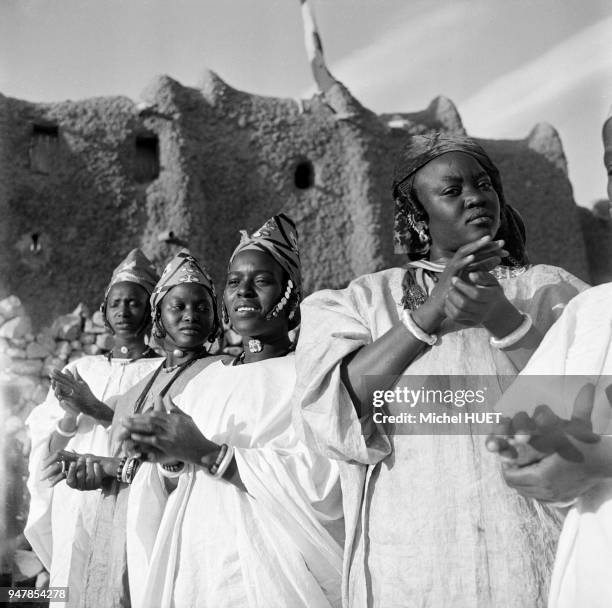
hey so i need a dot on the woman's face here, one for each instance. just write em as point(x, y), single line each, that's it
point(255, 284)
point(187, 315)
point(127, 308)
point(460, 201)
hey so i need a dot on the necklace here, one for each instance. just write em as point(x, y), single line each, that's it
point(181, 368)
point(239, 360)
point(124, 350)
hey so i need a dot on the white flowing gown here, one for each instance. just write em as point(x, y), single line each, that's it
point(579, 344)
point(430, 522)
point(210, 544)
point(60, 519)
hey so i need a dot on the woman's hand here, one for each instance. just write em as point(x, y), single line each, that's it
point(167, 435)
point(480, 300)
point(552, 459)
point(81, 471)
point(455, 296)
point(76, 397)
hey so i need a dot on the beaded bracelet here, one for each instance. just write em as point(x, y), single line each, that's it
point(129, 470)
point(171, 470)
point(119, 475)
point(514, 336)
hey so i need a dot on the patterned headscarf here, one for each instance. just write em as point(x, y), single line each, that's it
point(135, 268)
point(278, 237)
point(182, 268)
point(411, 230)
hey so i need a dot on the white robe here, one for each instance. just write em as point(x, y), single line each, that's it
point(60, 519)
point(429, 520)
point(580, 343)
point(214, 545)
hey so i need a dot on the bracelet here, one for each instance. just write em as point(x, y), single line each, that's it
point(119, 474)
point(212, 469)
point(66, 434)
point(128, 471)
point(221, 464)
point(171, 470)
point(514, 336)
point(415, 330)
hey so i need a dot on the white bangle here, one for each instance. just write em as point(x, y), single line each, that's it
point(223, 466)
point(514, 336)
point(415, 330)
point(170, 473)
point(66, 434)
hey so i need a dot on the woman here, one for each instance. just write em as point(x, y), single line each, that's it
point(428, 518)
point(252, 520)
point(183, 306)
point(569, 459)
point(75, 415)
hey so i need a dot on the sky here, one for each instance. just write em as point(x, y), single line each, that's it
point(507, 65)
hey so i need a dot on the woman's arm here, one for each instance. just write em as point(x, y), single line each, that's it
point(75, 396)
point(390, 354)
point(170, 437)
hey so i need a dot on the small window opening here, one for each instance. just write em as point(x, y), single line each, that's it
point(303, 177)
point(147, 158)
point(44, 147)
point(35, 246)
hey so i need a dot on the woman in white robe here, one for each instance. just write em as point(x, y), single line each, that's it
point(429, 521)
point(60, 520)
point(264, 530)
point(569, 378)
point(576, 353)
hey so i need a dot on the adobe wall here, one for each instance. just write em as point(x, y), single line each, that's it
point(228, 160)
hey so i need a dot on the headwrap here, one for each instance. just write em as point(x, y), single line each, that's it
point(278, 237)
point(182, 268)
point(135, 268)
point(410, 217)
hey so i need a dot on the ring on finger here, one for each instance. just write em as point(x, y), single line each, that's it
point(70, 392)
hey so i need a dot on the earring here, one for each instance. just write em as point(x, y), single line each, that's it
point(283, 302)
point(418, 227)
point(225, 314)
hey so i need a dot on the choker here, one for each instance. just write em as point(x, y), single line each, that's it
point(239, 360)
point(255, 346)
point(125, 354)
